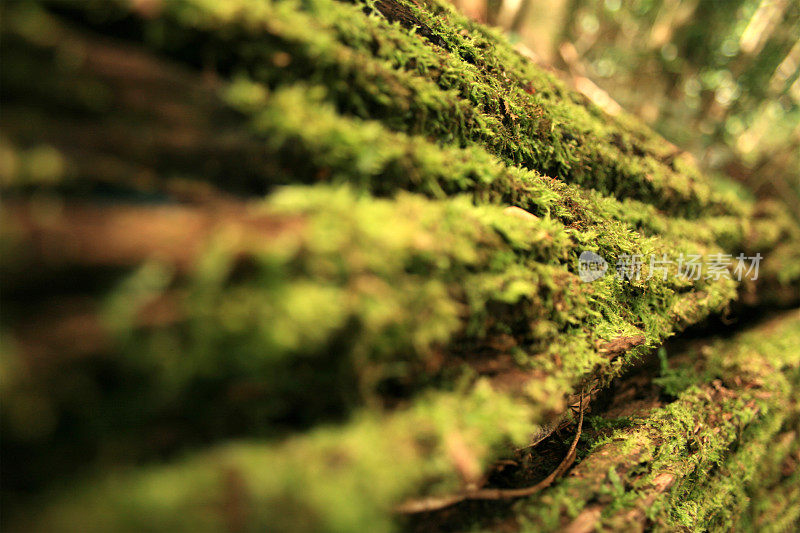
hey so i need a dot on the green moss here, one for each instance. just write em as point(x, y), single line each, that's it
point(711, 442)
point(333, 478)
point(380, 326)
point(374, 292)
point(477, 93)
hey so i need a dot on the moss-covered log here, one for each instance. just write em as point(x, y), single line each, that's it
point(401, 311)
point(696, 462)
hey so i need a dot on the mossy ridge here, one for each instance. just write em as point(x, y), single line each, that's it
point(396, 162)
point(674, 467)
point(715, 498)
point(774, 493)
point(536, 93)
point(492, 87)
point(459, 275)
point(377, 88)
point(323, 295)
point(108, 117)
point(722, 498)
point(332, 142)
point(269, 479)
point(332, 479)
point(328, 146)
point(522, 264)
point(630, 474)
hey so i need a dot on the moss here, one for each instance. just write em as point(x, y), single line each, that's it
point(411, 85)
point(332, 478)
point(381, 326)
point(250, 313)
point(774, 491)
point(692, 463)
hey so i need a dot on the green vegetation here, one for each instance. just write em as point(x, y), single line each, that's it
point(694, 463)
point(286, 264)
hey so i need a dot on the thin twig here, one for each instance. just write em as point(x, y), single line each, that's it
point(437, 503)
point(561, 421)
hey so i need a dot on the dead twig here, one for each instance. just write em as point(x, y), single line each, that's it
point(442, 502)
point(562, 421)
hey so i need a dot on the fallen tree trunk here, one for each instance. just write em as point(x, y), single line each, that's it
point(401, 311)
